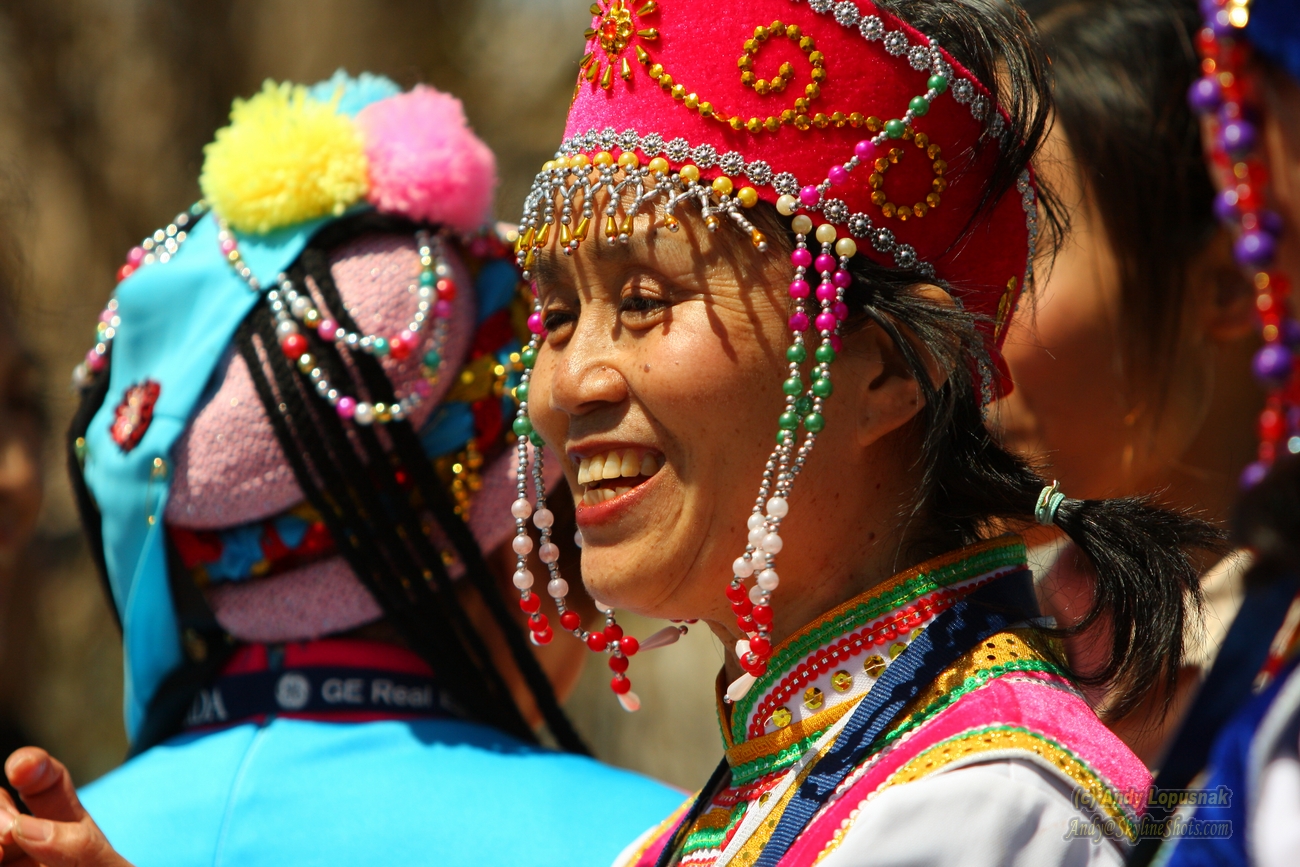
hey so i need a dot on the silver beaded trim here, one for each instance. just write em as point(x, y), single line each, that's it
point(1029, 202)
point(860, 225)
point(897, 43)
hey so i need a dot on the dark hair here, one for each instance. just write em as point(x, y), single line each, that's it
point(1122, 69)
point(373, 489)
point(971, 487)
point(1267, 521)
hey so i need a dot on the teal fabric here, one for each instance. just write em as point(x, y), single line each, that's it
point(177, 318)
point(434, 792)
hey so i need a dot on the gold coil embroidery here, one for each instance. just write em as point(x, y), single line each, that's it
point(937, 186)
point(798, 114)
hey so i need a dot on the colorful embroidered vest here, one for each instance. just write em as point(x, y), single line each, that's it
point(1002, 698)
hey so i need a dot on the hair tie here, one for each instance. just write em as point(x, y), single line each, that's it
point(1049, 500)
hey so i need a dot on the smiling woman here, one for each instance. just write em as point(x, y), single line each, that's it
point(899, 641)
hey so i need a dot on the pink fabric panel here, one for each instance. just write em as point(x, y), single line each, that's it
point(320, 599)
point(230, 469)
point(1039, 707)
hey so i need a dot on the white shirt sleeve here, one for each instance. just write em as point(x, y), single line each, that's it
point(1275, 822)
point(1008, 813)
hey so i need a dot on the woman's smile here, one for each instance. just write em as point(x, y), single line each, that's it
point(612, 480)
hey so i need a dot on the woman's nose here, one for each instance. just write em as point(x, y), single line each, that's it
point(587, 372)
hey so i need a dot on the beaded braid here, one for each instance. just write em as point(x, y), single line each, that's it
point(342, 488)
point(432, 492)
point(379, 531)
point(803, 406)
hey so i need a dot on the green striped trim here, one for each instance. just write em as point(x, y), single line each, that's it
point(1012, 553)
point(742, 774)
point(789, 756)
point(712, 838)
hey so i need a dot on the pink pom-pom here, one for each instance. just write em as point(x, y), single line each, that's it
point(425, 162)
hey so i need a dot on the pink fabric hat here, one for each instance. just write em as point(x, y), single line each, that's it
point(178, 432)
point(231, 470)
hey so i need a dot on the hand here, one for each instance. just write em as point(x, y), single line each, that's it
point(59, 833)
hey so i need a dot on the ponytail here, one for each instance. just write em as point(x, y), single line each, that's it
point(1146, 577)
point(1144, 557)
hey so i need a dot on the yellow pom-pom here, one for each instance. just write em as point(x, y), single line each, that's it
point(285, 158)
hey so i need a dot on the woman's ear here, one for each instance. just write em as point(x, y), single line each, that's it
point(889, 395)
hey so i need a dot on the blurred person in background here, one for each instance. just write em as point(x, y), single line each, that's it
point(1131, 371)
point(1243, 733)
point(22, 426)
point(1243, 736)
point(290, 460)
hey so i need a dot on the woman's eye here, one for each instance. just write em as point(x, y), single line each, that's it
point(641, 304)
point(556, 318)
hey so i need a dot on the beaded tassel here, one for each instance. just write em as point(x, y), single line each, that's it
point(803, 406)
point(1222, 95)
point(609, 640)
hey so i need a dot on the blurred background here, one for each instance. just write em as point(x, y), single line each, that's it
point(105, 106)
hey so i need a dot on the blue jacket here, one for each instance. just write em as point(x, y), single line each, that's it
point(304, 793)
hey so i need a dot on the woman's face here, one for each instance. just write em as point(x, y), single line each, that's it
point(662, 368)
point(1076, 406)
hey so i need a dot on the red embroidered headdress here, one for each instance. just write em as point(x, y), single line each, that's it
point(860, 128)
point(866, 123)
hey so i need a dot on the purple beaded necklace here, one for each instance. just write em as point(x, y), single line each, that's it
point(1225, 97)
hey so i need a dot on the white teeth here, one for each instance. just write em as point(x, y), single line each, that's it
point(619, 463)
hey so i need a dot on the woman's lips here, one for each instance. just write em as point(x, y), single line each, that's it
point(612, 481)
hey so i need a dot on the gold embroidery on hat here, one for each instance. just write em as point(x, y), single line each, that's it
point(882, 165)
point(615, 30)
point(798, 113)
